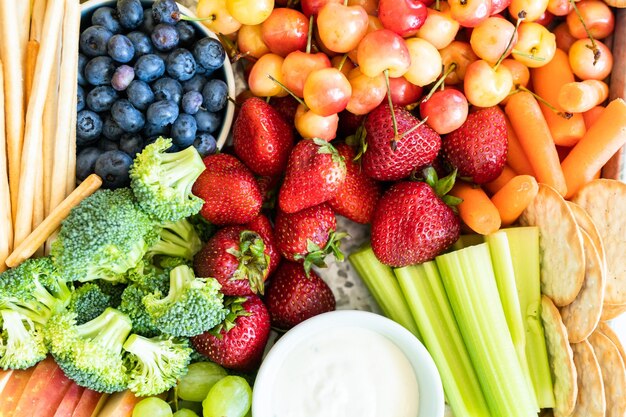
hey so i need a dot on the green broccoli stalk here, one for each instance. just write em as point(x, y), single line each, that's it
point(88, 302)
point(178, 239)
point(104, 237)
point(162, 181)
point(192, 305)
point(90, 354)
point(155, 365)
point(21, 342)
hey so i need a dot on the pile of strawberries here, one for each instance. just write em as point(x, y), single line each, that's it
point(275, 197)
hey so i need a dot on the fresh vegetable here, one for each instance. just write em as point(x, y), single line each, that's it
point(475, 209)
point(22, 341)
point(88, 301)
point(514, 197)
point(177, 239)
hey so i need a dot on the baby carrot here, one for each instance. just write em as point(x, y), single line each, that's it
point(476, 210)
point(516, 157)
point(514, 197)
point(505, 176)
point(534, 135)
point(605, 137)
point(592, 115)
point(580, 96)
point(547, 82)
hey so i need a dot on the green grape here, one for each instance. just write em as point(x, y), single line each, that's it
point(196, 407)
point(231, 396)
point(185, 412)
point(152, 407)
point(200, 377)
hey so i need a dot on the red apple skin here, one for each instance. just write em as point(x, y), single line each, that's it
point(312, 7)
point(50, 395)
point(13, 389)
point(120, 404)
point(404, 17)
point(37, 383)
point(90, 403)
point(446, 110)
point(403, 92)
point(70, 401)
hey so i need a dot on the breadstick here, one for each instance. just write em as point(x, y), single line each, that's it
point(6, 223)
point(32, 50)
point(38, 204)
point(36, 20)
point(50, 123)
point(33, 126)
point(34, 240)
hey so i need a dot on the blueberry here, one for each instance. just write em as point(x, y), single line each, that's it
point(148, 21)
point(209, 53)
point(186, 32)
point(130, 13)
point(184, 131)
point(163, 112)
point(181, 65)
point(149, 67)
point(110, 129)
point(207, 121)
point(164, 37)
point(88, 127)
point(205, 144)
point(112, 167)
point(154, 131)
point(107, 17)
point(120, 48)
point(195, 83)
point(82, 61)
point(101, 98)
point(80, 99)
point(122, 77)
point(132, 144)
point(99, 70)
point(93, 41)
point(140, 94)
point(191, 102)
point(165, 11)
point(127, 116)
point(141, 43)
point(108, 145)
point(167, 89)
point(86, 162)
point(215, 95)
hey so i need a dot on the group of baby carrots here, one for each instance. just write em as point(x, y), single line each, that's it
point(39, 54)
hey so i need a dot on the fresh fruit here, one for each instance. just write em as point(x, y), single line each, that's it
point(311, 125)
point(152, 406)
point(261, 138)
point(439, 28)
point(285, 31)
point(229, 190)
point(403, 92)
point(445, 111)
point(241, 338)
point(326, 91)
point(314, 174)
point(478, 148)
point(341, 27)
point(262, 225)
point(230, 396)
point(588, 65)
point(425, 62)
point(486, 86)
point(250, 12)
point(383, 50)
point(201, 376)
point(535, 46)
point(469, 13)
point(597, 17)
point(216, 16)
point(298, 65)
point(367, 92)
point(258, 80)
point(404, 17)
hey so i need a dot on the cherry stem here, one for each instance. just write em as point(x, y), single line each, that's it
point(437, 5)
point(284, 87)
point(529, 56)
point(520, 18)
point(309, 35)
point(440, 81)
point(343, 61)
point(345, 2)
point(197, 19)
point(594, 46)
point(565, 115)
point(393, 113)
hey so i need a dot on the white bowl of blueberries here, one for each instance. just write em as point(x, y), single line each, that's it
point(144, 72)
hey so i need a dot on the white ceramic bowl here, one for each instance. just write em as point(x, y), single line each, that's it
point(431, 399)
point(225, 73)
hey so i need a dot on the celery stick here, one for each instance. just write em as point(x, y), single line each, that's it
point(383, 285)
point(505, 280)
point(524, 248)
point(468, 240)
point(427, 299)
point(469, 280)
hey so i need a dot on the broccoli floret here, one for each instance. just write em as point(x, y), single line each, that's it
point(90, 354)
point(204, 228)
point(162, 181)
point(192, 305)
point(21, 341)
point(178, 239)
point(156, 364)
point(88, 302)
point(105, 236)
point(113, 289)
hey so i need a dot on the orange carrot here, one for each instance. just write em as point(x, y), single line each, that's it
point(580, 96)
point(476, 210)
point(516, 157)
point(533, 133)
point(592, 115)
point(600, 143)
point(514, 197)
point(547, 82)
point(505, 176)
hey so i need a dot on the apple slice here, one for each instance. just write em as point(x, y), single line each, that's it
point(120, 404)
point(4, 378)
point(13, 390)
point(90, 404)
point(70, 401)
point(46, 397)
point(38, 381)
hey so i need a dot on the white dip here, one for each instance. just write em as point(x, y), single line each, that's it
point(345, 372)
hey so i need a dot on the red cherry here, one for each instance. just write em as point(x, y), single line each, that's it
point(404, 17)
point(285, 31)
point(445, 110)
point(403, 92)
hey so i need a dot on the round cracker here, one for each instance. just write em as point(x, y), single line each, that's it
point(582, 316)
point(613, 373)
point(585, 222)
point(590, 401)
point(560, 243)
point(608, 331)
point(605, 201)
point(561, 359)
point(611, 311)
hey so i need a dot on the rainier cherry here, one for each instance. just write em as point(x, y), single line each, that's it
point(258, 80)
point(486, 86)
point(313, 7)
point(312, 125)
point(250, 42)
point(564, 39)
point(326, 91)
point(535, 46)
point(370, 6)
point(440, 28)
point(559, 7)
point(533, 8)
point(404, 92)
point(340, 27)
point(585, 65)
point(597, 16)
point(492, 38)
point(425, 62)
point(461, 55)
point(497, 6)
point(445, 111)
point(470, 13)
point(367, 92)
point(404, 17)
point(383, 50)
point(298, 65)
point(285, 31)
point(250, 12)
point(217, 18)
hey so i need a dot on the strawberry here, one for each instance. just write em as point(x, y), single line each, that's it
point(478, 148)
point(412, 224)
point(391, 158)
point(262, 138)
point(238, 342)
point(237, 258)
point(262, 225)
point(293, 297)
point(357, 196)
point(230, 192)
point(308, 235)
point(314, 174)
point(269, 190)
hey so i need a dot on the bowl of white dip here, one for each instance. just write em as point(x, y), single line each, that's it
point(348, 364)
